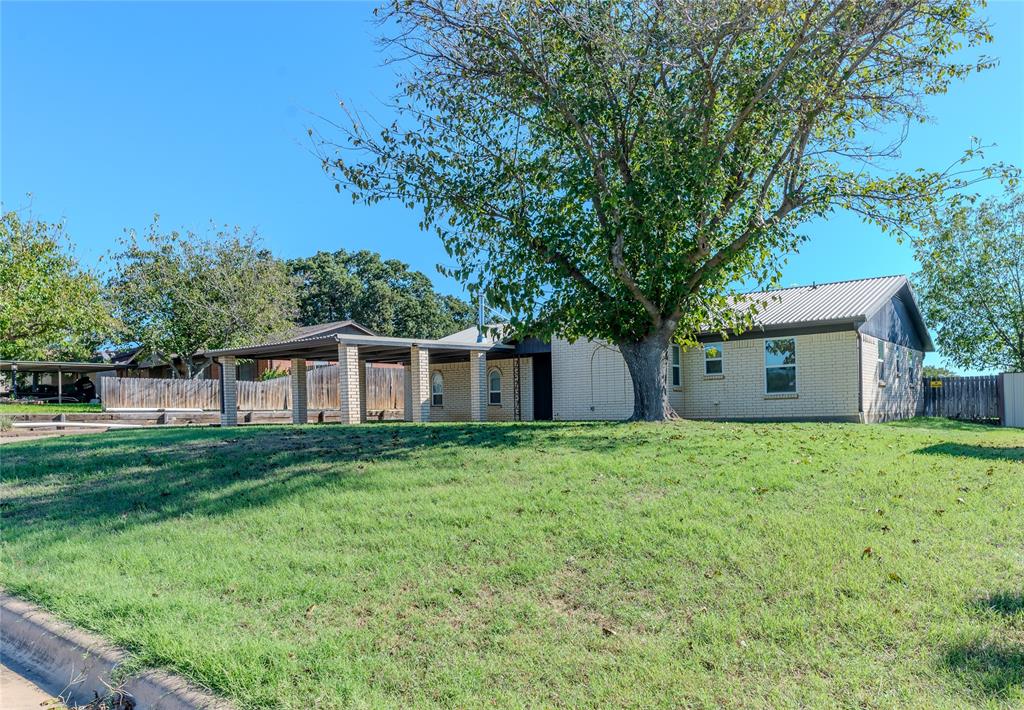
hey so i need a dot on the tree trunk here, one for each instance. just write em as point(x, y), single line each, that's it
point(647, 368)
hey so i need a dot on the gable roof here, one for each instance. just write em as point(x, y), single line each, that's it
point(833, 303)
point(338, 326)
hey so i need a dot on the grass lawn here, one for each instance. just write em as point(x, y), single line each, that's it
point(690, 564)
point(66, 408)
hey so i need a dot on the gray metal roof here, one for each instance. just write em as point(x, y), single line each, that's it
point(834, 302)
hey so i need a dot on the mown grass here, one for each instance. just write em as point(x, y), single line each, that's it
point(66, 408)
point(574, 565)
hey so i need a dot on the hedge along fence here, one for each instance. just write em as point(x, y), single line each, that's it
point(385, 390)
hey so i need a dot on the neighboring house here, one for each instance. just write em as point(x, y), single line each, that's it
point(248, 370)
point(845, 351)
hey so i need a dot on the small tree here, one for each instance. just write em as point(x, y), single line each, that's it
point(609, 169)
point(972, 282)
point(384, 295)
point(50, 307)
point(177, 293)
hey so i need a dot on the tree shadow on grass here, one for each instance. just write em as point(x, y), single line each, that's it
point(124, 479)
point(992, 453)
point(1004, 603)
point(994, 669)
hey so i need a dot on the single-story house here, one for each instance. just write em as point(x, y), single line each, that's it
point(844, 351)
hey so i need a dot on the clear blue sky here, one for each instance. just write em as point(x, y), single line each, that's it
point(114, 111)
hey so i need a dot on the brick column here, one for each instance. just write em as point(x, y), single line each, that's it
point(348, 383)
point(419, 380)
point(407, 391)
point(228, 391)
point(478, 386)
point(300, 411)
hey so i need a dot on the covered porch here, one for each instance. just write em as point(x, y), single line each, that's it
point(422, 360)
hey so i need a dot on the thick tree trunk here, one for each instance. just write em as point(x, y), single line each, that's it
point(647, 368)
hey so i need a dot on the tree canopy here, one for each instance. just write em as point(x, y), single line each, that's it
point(972, 281)
point(176, 293)
point(384, 295)
point(610, 170)
point(50, 307)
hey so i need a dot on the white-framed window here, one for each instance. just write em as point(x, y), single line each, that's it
point(437, 389)
point(780, 365)
point(881, 360)
point(494, 386)
point(713, 359)
point(674, 365)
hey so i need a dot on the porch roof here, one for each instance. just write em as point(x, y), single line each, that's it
point(374, 348)
point(55, 366)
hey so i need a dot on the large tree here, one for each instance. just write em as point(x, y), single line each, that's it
point(610, 169)
point(384, 295)
point(176, 293)
point(972, 282)
point(50, 307)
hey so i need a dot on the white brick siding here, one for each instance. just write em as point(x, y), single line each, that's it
point(590, 381)
point(457, 393)
point(900, 394)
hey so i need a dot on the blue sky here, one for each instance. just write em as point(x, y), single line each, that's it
point(111, 112)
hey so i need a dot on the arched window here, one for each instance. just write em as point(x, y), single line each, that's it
point(437, 389)
point(494, 386)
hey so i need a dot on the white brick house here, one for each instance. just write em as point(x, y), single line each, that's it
point(847, 351)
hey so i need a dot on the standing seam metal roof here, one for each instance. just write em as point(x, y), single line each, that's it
point(836, 301)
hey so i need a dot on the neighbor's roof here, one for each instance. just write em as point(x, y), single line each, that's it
point(830, 303)
point(54, 366)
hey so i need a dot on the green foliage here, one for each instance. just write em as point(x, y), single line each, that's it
point(383, 295)
point(972, 281)
point(936, 371)
point(273, 373)
point(544, 565)
point(611, 169)
point(50, 307)
point(178, 293)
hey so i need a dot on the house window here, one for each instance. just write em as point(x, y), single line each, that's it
point(712, 358)
point(437, 390)
point(881, 361)
point(494, 387)
point(676, 374)
point(780, 365)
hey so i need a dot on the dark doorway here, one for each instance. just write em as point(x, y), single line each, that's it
point(542, 386)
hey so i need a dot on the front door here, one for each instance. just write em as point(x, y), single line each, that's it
point(542, 386)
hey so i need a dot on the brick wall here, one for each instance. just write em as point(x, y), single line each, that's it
point(455, 407)
point(590, 381)
point(899, 395)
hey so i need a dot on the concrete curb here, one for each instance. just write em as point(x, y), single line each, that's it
point(79, 666)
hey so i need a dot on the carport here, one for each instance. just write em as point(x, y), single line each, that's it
point(351, 352)
point(59, 369)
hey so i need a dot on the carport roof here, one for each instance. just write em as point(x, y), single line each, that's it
point(54, 366)
point(375, 348)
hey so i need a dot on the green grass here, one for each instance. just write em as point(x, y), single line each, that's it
point(574, 565)
point(66, 408)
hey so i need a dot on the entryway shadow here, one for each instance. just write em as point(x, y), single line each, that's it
point(992, 453)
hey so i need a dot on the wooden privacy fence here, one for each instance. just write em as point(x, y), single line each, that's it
point(138, 393)
point(385, 390)
point(966, 398)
